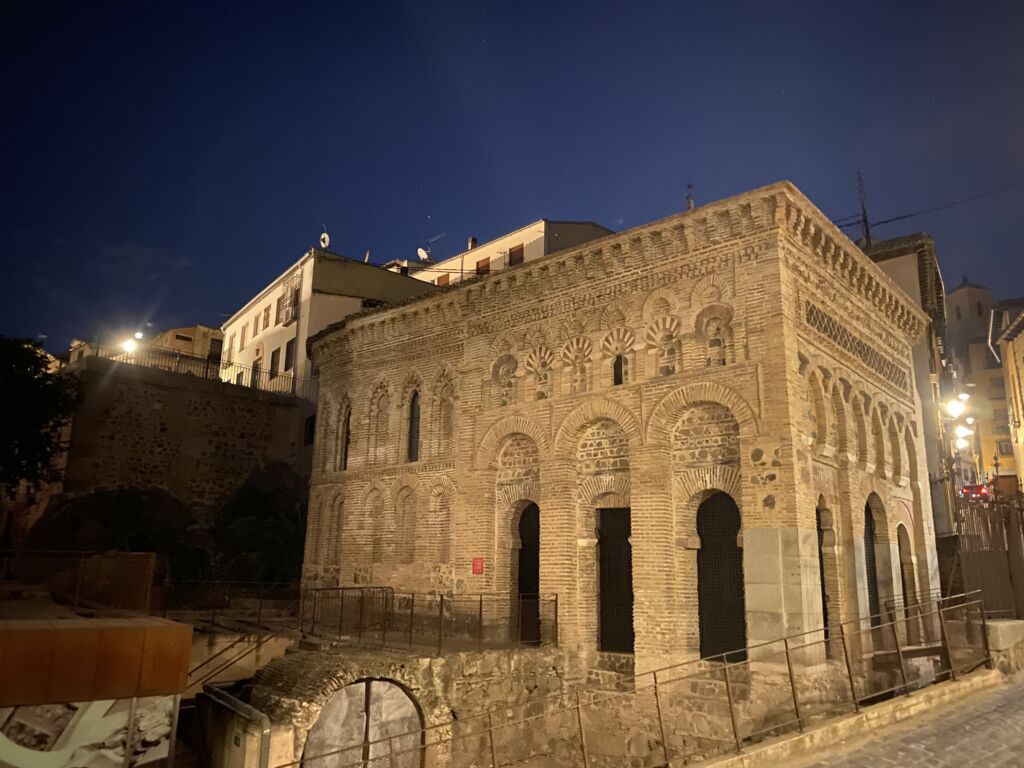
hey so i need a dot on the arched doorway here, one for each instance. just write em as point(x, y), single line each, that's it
point(720, 602)
point(871, 565)
point(528, 574)
point(369, 720)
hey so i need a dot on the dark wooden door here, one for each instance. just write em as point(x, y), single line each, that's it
point(615, 565)
point(720, 602)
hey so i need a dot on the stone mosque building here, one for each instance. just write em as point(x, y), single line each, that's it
point(701, 434)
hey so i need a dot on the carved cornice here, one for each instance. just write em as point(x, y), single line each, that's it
point(809, 227)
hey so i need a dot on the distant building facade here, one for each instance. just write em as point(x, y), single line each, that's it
point(1007, 340)
point(523, 245)
point(911, 263)
point(980, 374)
point(730, 390)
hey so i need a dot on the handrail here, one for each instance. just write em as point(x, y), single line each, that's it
point(653, 675)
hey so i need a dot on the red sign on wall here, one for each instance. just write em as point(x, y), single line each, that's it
point(478, 566)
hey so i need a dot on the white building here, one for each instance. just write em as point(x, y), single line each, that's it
point(522, 245)
point(265, 340)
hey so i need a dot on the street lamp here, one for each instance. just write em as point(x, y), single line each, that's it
point(955, 408)
point(129, 345)
point(961, 431)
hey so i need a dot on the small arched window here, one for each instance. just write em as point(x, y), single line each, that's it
point(413, 448)
point(344, 438)
point(619, 370)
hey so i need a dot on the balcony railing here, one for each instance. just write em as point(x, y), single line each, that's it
point(255, 377)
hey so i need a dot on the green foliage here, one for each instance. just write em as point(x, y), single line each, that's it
point(126, 520)
point(35, 403)
point(260, 533)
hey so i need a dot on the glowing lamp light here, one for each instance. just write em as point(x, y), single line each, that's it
point(138, 335)
point(961, 443)
point(129, 345)
point(962, 431)
point(964, 396)
point(969, 419)
point(955, 407)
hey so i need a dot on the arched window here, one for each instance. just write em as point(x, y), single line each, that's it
point(871, 566)
point(413, 448)
point(715, 331)
point(344, 437)
point(667, 352)
point(619, 370)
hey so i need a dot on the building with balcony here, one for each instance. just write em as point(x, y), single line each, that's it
point(265, 340)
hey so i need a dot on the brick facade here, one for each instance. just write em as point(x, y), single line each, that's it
point(760, 354)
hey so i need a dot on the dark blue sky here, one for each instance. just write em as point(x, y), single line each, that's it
point(163, 161)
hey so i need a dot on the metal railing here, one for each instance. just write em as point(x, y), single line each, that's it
point(705, 707)
point(380, 617)
point(211, 368)
point(121, 580)
point(990, 552)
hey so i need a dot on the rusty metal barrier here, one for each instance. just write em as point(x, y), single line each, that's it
point(380, 617)
point(703, 708)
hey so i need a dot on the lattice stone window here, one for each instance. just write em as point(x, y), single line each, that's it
point(843, 337)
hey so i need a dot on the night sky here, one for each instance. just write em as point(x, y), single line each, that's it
point(164, 161)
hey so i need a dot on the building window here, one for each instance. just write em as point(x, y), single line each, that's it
point(980, 313)
point(515, 255)
point(183, 337)
point(255, 325)
point(277, 310)
point(239, 378)
point(309, 430)
point(619, 370)
point(443, 280)
point(958, 312)
point(343, 438)
point(266, 317)
point(1005, 448)
point(275, 362)
point(413, 448)
point(241, 343)
point(289, 355)
point(231, 347)
point(483, 266)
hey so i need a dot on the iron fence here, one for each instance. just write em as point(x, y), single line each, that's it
point(213, 369)
point(705, 707)
point(381, 617)
point(990, 553)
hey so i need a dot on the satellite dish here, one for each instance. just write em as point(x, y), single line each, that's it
point(423, 253)
point(325, 240)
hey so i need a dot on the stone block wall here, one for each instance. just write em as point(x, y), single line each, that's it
point(196, 438)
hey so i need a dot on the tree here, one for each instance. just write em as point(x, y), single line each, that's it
point(35, 402)
point(260, 533)
point(125, 520)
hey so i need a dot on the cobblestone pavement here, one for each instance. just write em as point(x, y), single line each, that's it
point(984, 731)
